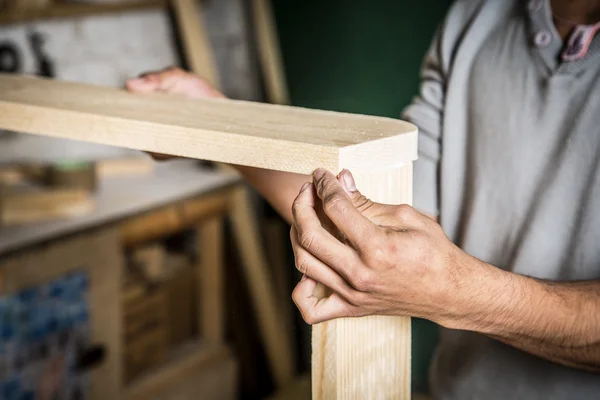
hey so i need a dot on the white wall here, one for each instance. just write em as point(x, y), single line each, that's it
point(105, 49)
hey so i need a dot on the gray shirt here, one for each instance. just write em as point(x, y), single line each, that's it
point(509, 159)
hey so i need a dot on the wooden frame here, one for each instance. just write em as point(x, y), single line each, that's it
point(99, 255)
point(352, 358)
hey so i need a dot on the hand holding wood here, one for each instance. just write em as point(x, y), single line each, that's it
point(386, 260)
point(176, 81)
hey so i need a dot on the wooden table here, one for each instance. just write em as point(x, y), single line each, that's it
point(179, 195)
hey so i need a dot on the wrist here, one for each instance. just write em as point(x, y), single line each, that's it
point(483, 295)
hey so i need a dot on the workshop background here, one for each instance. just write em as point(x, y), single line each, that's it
point(344, 55)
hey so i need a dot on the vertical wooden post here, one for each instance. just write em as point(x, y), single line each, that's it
point(209, 271)
point(245, 227)
point(366, 358)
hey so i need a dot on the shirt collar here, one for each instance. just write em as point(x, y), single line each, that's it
point(582, 47)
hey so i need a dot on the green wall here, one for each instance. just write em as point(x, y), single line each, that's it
point(360, 56)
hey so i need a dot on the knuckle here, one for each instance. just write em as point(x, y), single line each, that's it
point(309, 318)
point(324, 186)
point(404, 212)
point(362, 280)
point(302, 263)
point(355, 298)
point(333, 202)
point(296, 209)
point(306, 239)
point(362, 203)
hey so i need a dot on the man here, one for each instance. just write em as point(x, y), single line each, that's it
point(509, 121)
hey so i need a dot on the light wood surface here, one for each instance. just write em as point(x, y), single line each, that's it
point(364, 358)
point(260, 135)
point(353, 358)
point(38, 205)
point(126, 197)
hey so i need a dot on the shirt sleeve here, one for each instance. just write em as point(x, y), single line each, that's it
point(425, 111)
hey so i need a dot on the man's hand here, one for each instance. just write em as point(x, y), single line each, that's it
point(173, 80)
point(382, 259)
point(391, 260)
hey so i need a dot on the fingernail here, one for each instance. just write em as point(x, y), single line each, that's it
point(348, 181)
point(304, 187)
point(303, 277)
point(319, 173)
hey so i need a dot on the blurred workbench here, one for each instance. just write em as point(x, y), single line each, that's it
point(129, 211)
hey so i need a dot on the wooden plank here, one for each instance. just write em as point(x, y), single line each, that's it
point(74, 10)
point(38, 205)
point(269, 52)
point(237, 132)
point(361, 358)
point(211, 317)
point(352, 358)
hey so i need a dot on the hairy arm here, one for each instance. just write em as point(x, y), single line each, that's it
point(557, 321)
point(394, 260)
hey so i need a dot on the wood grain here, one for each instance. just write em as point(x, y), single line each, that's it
point(366, 358)
point(260, 135)
point(352, 358)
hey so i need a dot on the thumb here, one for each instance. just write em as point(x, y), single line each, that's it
point(143, 84)
point(376, 212)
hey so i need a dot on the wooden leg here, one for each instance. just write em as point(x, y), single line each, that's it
point(197, 49)
point(277, 232)
point(210, 280)
point(254, 262)
point(366, 358)
point(269, 52)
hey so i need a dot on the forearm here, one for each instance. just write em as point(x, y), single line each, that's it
point(278, 188)
point(557, 321)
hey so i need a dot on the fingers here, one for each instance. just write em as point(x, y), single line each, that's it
point(340, 209)
point(398, 217)
point(314, 268)
point(141, 85)
point(315, 310)
point(313, 237)
point(175, 81)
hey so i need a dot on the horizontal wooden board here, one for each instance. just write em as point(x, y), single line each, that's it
point(75, 10)
point(246, 133)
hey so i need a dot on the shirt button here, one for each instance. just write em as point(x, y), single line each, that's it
point(534, 5)
point(542, 39)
